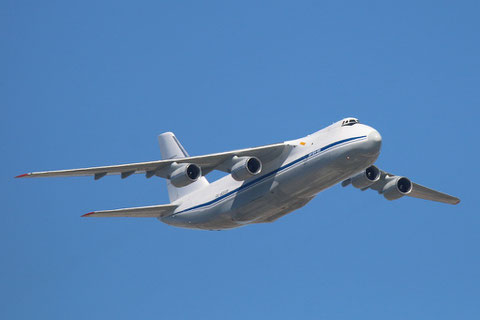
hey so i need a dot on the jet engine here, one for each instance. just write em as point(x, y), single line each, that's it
point(397, 188)
point(246, 167)
point(185, 174)
point(366, 178)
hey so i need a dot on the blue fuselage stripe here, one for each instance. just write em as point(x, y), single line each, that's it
point(246, 185)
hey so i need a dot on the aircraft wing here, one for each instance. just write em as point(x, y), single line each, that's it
point(419, 191)
point(388, 185)
point(207, 163)
point(139, 212)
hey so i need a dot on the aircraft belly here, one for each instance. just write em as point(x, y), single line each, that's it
point(285, 209)
point(256, 203)
point(211, 218)
point(257, 209)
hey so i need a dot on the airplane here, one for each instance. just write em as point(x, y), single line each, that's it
point(261, 184)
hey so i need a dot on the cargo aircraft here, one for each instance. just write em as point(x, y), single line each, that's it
point(263, 183)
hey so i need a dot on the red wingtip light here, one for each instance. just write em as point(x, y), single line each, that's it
point(87, 214)
point(23, 175)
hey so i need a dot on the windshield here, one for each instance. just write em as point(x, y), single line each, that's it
point(349, 122)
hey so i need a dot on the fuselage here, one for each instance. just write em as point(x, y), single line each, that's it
point(306, 167)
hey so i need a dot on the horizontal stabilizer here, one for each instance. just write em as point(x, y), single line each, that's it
point(138, 212)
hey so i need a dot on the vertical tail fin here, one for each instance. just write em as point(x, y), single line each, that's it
point(170, 148)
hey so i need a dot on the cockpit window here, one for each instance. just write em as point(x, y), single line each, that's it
point(349, 122)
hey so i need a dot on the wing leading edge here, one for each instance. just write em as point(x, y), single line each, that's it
point(207, 163)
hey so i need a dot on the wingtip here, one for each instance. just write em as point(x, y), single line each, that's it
point(88, 214)
point(23, 175)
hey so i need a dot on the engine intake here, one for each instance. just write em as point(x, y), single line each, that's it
point(366, 178)
point(397, 188)
point(185, 174)
point(246, 167)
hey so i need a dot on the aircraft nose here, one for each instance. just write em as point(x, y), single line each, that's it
point(374, 136)
point(375, 140)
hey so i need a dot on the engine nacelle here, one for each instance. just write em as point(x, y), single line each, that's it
point(366, 178)
point(246, 167)
point(185, 174)
point(397, 188)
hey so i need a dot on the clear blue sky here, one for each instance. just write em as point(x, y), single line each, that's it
point(93, 83)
